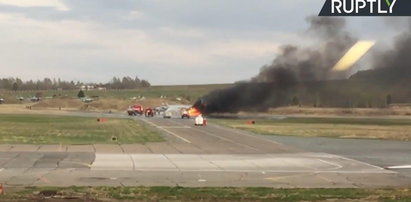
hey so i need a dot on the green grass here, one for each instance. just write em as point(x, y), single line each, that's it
point(389, 129)
point(212, 194)
point(189, 92)
point(45, 129)
point(340, 121)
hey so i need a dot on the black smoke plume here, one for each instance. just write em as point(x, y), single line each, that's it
point(294, 65)
point(391, 65)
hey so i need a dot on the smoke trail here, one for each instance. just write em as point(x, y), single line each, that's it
point(313, 63)
point(292, 66)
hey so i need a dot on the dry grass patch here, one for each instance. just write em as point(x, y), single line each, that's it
point(329, 130)
point(394, 110)
point(388, 129)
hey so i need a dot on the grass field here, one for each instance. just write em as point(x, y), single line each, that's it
point(207, 194)
point(389, 129)
point(187, 92)
point(44, 129)
point(392, 110)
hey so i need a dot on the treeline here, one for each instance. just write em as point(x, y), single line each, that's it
point(17, 84)
point(349, 94)
point(126, 83)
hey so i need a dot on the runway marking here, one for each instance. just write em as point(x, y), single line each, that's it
point(285, 177)
point(132, 161)
point(400, 167)
point(222, 138)
point(348, 159)
point(260, 171)
point(228, 140)
point(245, 134)
point(176, 127)
point(168, 131)
point(337, 166)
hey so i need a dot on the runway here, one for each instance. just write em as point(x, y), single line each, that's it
point(274, 170)
point(214, 139)
point(192, 156)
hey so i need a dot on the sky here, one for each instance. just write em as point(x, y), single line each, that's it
point(166, 42)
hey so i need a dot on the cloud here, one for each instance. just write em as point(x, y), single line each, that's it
point(167, 42)
point(36, 3)
point(36, 49)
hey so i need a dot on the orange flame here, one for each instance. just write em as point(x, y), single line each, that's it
point(193, 112)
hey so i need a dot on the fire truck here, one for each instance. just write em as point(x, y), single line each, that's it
point(135, 110)
point(149, 112)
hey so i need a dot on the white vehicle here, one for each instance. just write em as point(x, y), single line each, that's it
point(160, 109)
point(35, 99)
point(199, 120)
point(168, 114)
point(174, 111)
point(87, 99)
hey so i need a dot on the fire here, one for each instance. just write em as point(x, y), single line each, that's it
point(193, 112)
point(353, 55)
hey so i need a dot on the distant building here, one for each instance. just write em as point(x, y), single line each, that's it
point(87, 87)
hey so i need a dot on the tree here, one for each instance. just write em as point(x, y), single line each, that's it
point(296, 101)
point(388, 99)
point(47, 84)
point(145, 83)
point(115, 83)
point(53, 83)
point(127, 83)
point(15, 86)
point(81, 94)
point(137, 80)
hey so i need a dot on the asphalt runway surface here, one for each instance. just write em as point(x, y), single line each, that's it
point(209, 156)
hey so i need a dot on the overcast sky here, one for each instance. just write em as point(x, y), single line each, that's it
point(163, 41)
